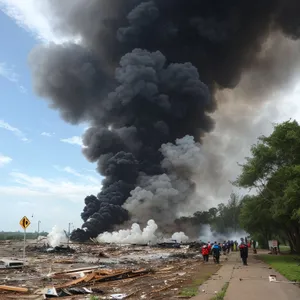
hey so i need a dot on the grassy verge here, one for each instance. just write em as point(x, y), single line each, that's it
point(286, 265)
point(221, 294)
point(284, 249)
point(189, 292)
point(191, 289)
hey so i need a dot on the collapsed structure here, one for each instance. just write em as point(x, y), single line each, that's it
point(143, 75)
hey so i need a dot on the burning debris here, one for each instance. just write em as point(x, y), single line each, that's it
point(57, 237)
point(56, 242)
point(172, 244)
point(144, 76)
point(60, 249)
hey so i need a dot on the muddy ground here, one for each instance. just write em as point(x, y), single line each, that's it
point(173, 273)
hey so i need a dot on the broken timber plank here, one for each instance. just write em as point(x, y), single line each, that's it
point(71, 283)
point(163, 289)
point(166, 269)
point(86, 269)
point(13, 288)
point(90, 277)
point(93, 277)
point(123, 275)
point(120, 276)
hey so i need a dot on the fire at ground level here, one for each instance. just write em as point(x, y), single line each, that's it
point(107, 271)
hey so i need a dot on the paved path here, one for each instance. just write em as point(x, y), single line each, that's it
point(248, 282)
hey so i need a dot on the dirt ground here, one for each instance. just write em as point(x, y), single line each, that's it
point(170, 270)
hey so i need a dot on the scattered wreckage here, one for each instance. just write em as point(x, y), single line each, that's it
point(11, 264)
point(104, 271)
point(79, 281)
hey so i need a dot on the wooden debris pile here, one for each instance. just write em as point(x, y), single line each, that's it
point(87, 277)
point(79, 281)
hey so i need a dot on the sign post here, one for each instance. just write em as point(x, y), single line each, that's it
point(24, 246)
point(24, 222)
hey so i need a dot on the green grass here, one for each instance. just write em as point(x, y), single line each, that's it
point(284, 249)
point(286, 265)
point(221, 294)
point(192, 288)
point(94, 298)
point(189, 292)
point(202, 279)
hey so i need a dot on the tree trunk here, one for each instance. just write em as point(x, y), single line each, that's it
point(291, 247)
point(266, 236)
point(291, 241)
point(297, 239)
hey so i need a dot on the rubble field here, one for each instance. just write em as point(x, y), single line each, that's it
point(100, 271)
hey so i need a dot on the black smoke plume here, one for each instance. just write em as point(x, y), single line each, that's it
point(144, 74)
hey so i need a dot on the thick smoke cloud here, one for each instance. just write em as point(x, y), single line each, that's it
point(144, 75)
point(72, 77)
point(165, 195)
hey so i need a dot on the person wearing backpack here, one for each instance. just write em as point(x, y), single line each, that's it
point(205, 253)
point(216, 251)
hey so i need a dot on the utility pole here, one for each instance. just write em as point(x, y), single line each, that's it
point(39, 222)
point(69, 233)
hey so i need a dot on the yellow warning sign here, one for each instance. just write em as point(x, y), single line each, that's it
point(24, 222)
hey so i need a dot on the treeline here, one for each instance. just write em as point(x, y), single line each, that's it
point(20, 235)
point(223, 219)
point(273, 174)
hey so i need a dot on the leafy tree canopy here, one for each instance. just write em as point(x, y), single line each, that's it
point(273, 170)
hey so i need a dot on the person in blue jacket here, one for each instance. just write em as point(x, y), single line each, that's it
point(216, 251)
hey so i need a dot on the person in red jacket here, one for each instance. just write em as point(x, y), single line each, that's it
point(205, 253)
point(209, 247)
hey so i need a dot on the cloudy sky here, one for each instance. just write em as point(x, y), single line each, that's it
point(43, 174)
point(42, 171)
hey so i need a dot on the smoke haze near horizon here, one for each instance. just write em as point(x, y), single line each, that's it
point(135, 235)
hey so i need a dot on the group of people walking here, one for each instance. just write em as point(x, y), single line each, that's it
point(215, 250)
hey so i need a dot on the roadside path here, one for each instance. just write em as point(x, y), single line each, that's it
point(249, 282)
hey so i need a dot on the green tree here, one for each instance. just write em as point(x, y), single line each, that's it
point(234, 207)
point(213, 212)
point(273, 171)
point(226, 216)
point(255, 217)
